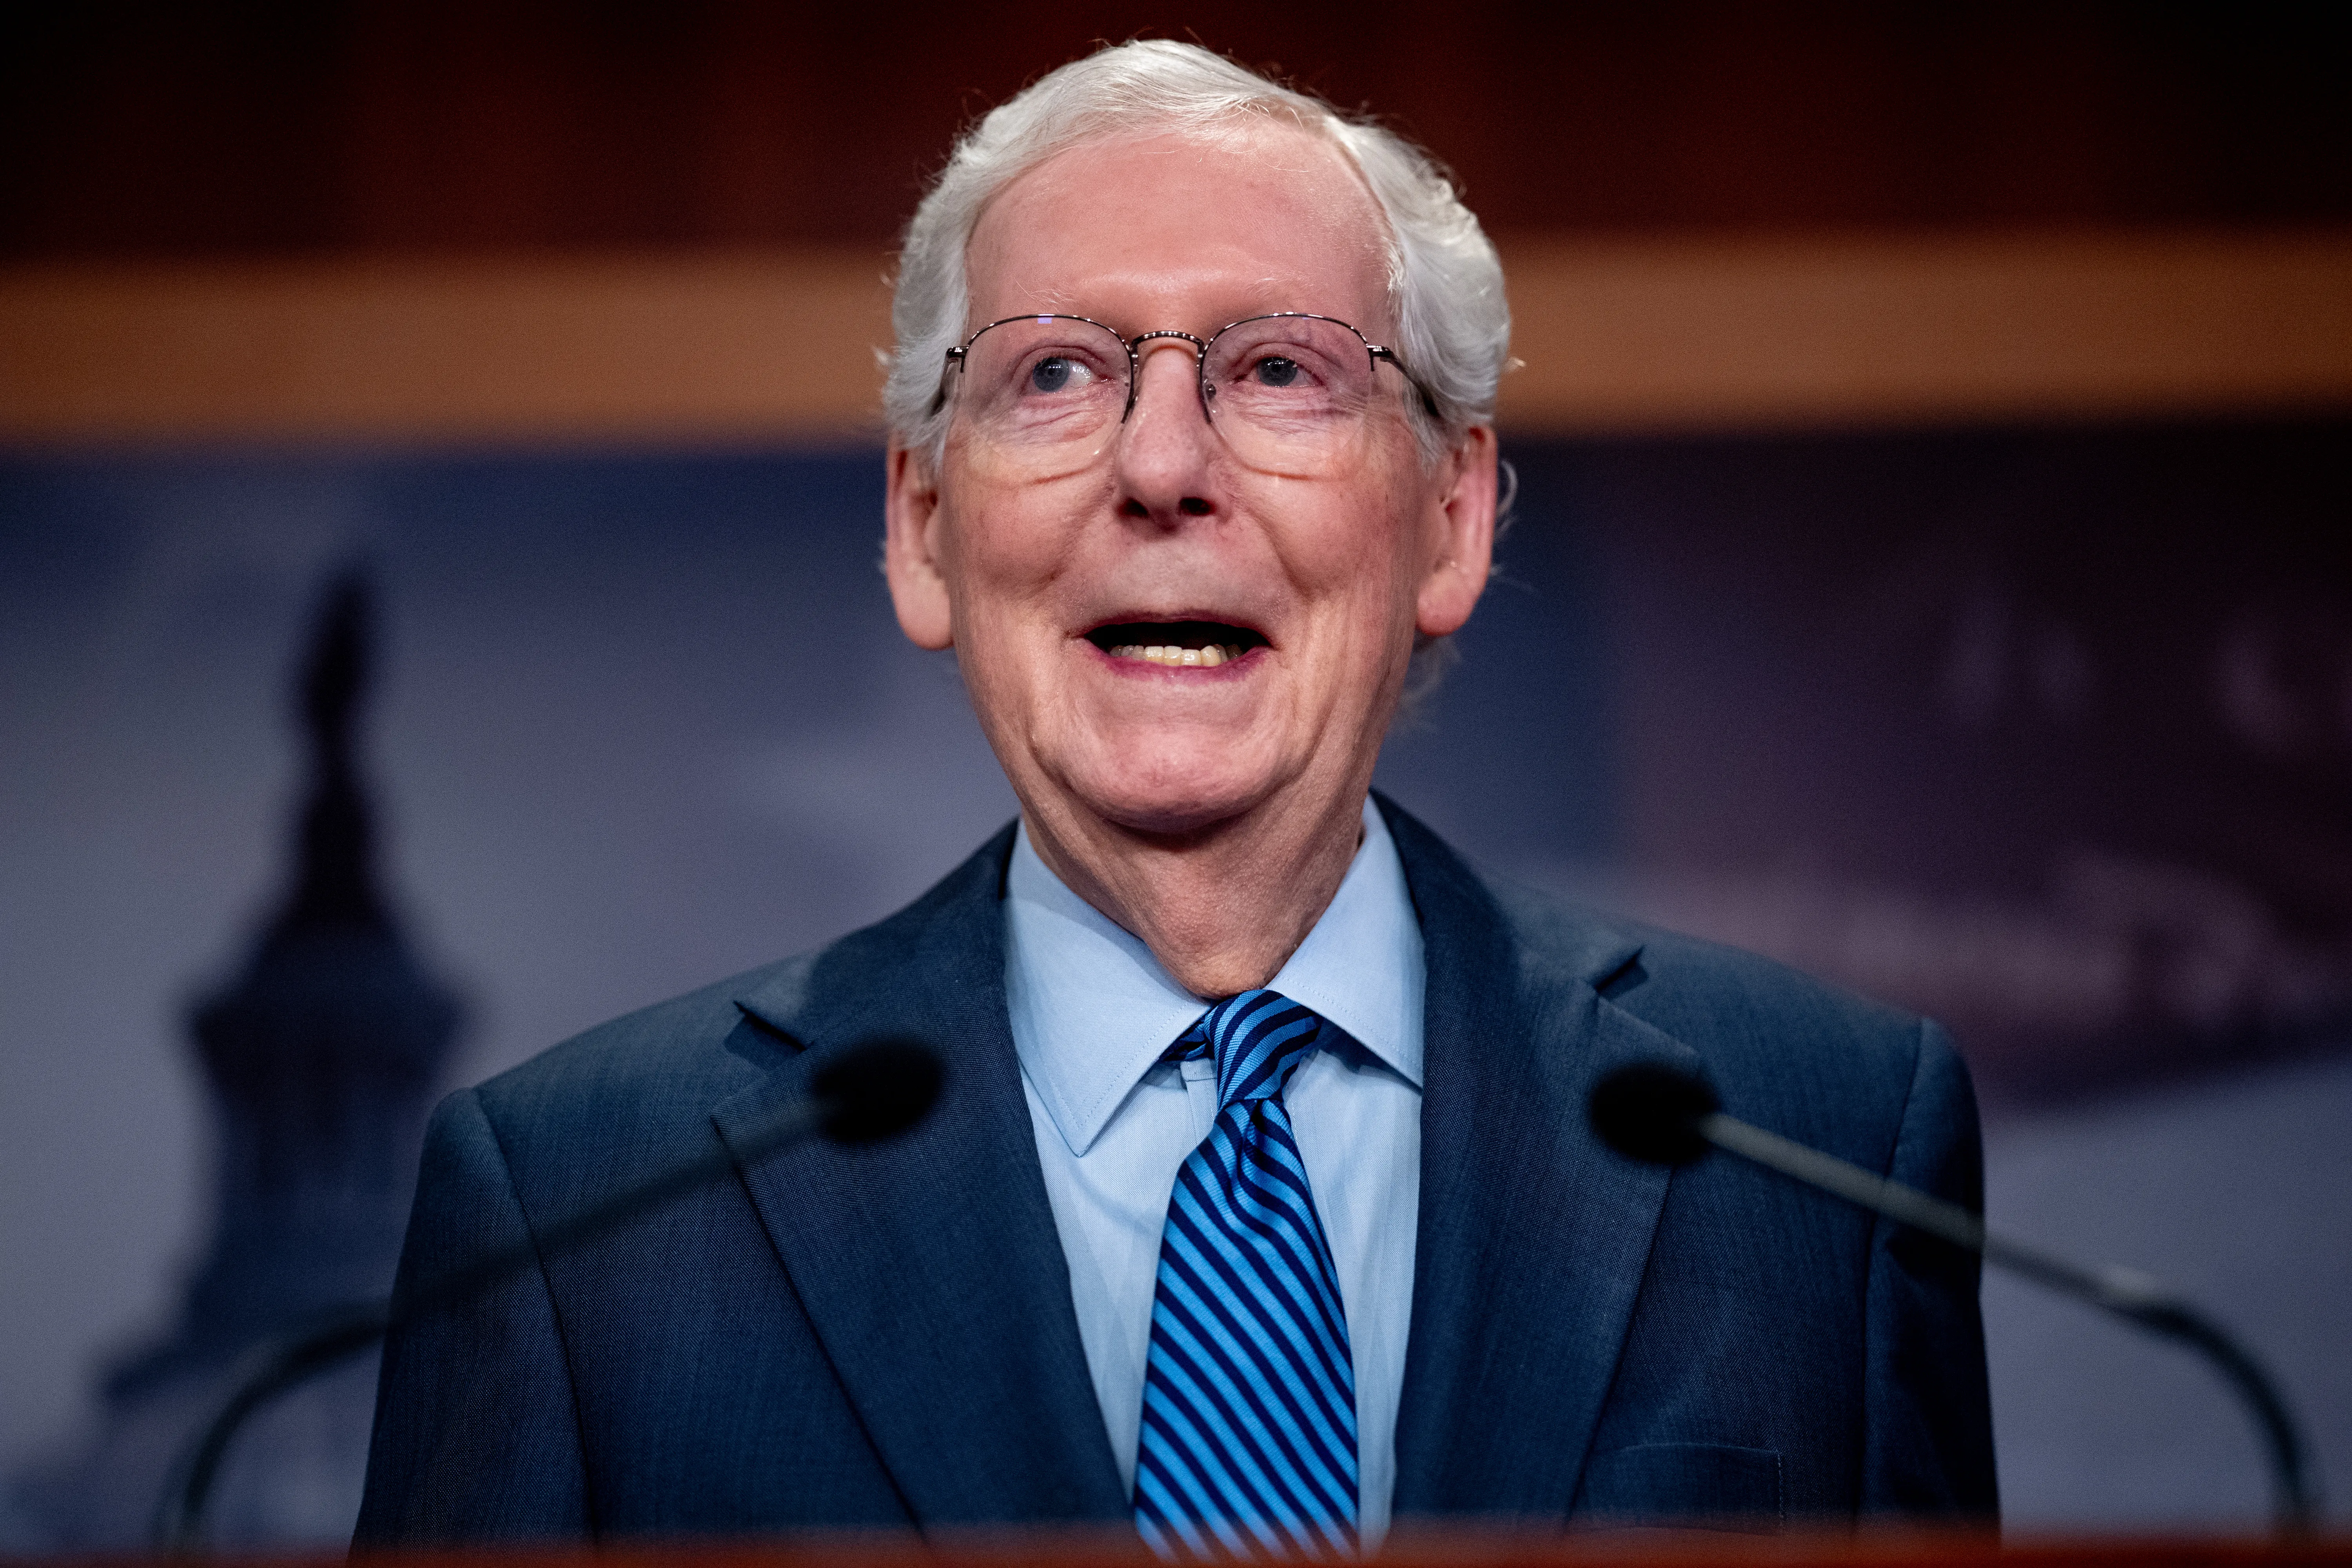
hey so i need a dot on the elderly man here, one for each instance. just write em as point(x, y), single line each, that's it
point(1260, 1209)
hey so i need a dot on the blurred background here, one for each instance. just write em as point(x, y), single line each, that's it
point(439, 487)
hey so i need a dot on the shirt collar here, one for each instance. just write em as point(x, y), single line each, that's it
point(1092, 1010)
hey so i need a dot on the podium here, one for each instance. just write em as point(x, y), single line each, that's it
point(1893, 1548)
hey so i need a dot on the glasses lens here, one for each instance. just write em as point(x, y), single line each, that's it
point(1039, 392)
point(1291, 393)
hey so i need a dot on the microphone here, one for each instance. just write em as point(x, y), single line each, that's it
point(1663, 1114)
point(866, 1094)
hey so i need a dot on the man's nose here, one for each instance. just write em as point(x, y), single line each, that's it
point(1166, 448)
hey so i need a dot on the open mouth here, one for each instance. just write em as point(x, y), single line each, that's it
point(1178, 644)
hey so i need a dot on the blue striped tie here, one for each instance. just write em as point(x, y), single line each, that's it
point(1249, 1392)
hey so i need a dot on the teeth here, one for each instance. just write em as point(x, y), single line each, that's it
point(1168, 654)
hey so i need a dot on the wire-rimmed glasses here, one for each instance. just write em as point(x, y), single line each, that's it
point(1292, 394)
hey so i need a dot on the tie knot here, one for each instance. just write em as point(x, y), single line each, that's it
point(1258, 1038)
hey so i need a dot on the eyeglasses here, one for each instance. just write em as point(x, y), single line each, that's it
point(1292, 394)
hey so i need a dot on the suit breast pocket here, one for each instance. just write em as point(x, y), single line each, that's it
point(1682, 1486)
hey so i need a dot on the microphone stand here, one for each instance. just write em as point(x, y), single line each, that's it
point(867, 1094)
point(1665, 1115)
point(2126, 1292)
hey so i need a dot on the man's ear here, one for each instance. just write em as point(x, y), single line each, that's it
point(910, 556)
point(1464, 509)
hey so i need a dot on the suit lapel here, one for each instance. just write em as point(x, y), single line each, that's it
point(929, 1265)
point(1533, 1236)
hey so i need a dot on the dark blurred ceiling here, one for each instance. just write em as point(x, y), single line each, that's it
point(209, 130)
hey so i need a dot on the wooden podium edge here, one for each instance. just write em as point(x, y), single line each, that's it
point(1892, 1547)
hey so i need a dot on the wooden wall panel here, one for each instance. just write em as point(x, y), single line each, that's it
point(727, 348)
point(1875, 331)
point(756, 347)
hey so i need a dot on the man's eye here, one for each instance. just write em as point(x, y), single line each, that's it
point(1275, 371)
point(1052, 374)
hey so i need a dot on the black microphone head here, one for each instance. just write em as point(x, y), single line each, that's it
point(1651, 1111)
point(876, 1089)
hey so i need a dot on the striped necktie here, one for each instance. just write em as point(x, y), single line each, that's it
point(1249, 1392)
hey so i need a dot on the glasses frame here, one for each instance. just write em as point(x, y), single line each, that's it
point(1378, 356)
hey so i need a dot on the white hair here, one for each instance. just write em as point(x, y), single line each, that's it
point(1446, 283)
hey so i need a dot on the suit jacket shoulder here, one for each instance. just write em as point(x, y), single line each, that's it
point(647, 1080)
point(1822, 1063)
point(823, 1337)
point(1595, 1337)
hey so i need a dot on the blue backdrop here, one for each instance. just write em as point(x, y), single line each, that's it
point(2046, 731)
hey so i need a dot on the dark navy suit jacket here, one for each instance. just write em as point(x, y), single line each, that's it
point(884, 1337)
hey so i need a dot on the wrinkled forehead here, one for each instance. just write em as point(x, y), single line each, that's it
point(1186, 231)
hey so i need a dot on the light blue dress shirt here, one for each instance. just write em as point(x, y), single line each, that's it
point(1092, 1013)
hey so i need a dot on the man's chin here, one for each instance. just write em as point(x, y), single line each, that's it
point(1174, 809)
